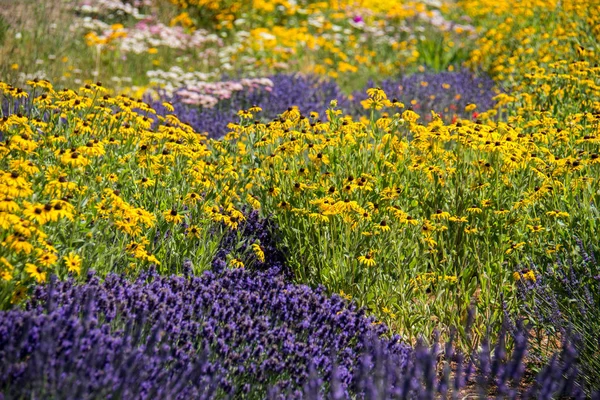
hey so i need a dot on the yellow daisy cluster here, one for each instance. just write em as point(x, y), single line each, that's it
point(522, 35)
point(83, 173)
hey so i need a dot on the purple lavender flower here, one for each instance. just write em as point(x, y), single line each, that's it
point(152, 335)
point(308, 93)
point(446, 93)
point(564, 301)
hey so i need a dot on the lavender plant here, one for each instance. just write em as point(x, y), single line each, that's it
point(563, 300)
point(307, 92)
point(182, 337)
point(238, 334)
point(446, 93)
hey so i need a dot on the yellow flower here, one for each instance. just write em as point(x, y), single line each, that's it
point(429, 241)
point(255, 109)
point(168, 106)
point(19, 243)
point(253, 201)
point(383, 226)
point(557, 214)
point(232, 221)
point(35, 212)
point(236, 263)
point(35, 272)
point(474, 209)
point(530, 276)
point(8, 205)
point(146, 182)
point(535, 228)
point(193, 231)
point(6, 269)
point(274, 191)
point(112, 178)
point(75, 159)
point(46, 258)
point(367, 260)
point(514, 246)
point(345, 295)
point(258, 251)
point(73, 262)
point(440, 215)
point(470, 107)
point(173, 216)
point(471, 229)
point(192, 198)
point(151, 258)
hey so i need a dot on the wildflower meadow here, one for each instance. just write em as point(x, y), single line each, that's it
point(297, 199)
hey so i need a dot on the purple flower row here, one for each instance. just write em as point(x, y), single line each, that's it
point(447, 93)
point(161, 336)
point(223, 335)
point(564, 301)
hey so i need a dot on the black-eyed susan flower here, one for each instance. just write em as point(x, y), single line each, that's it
point(469, 229)
point(514, 246)
point(36, 272)
point(150, 258)
point(255, 109)
point(193, 231)
point(273, 191)
point(535, 228)
point(74, 159)
point(458, 219)
point(173, 216)
point(367, 259)
point(168, 106)
point(474, 209)
point(285, 205)
point(440, 215)
point(383, 226)
point(557, 214)
point(258, 251)
point(232, 221)
point(146, 182)
point(8, 204)
point(46, 258)
point(345, 295)
point(253, 201)
point(428, 240)
point(236, 263)
point(192, 198)
point(410, 220)
point(19, 243)
point(6, 269)
point(73, 262)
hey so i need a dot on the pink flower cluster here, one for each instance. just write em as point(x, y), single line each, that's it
point(208, 94)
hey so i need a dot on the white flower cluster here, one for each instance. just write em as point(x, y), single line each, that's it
point(110, 8)
point(147, 34)
point(195, 87)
